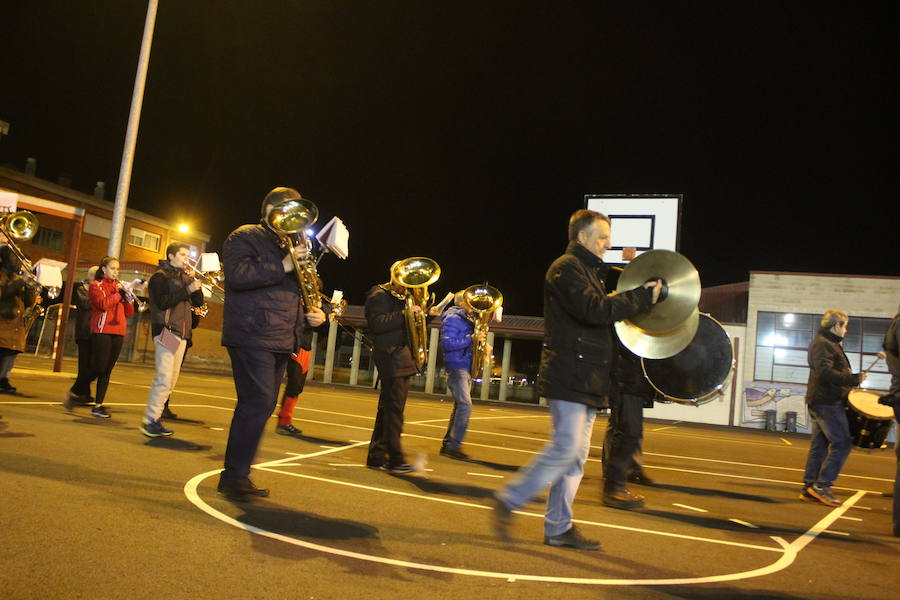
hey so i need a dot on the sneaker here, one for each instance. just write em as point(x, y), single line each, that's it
point(5, 386)
point(69, 401)
point(572, 539)
point(806, 496)
point(240, 490)
point(400, 469)
point(823, 495)
point(502, 518)
point(99, 411)
point(155, 429)
point(640, 478)
point(623, 499)
point(288, 430)
point(454, 454)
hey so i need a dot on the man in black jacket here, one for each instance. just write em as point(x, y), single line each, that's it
point(622, 455)
point(80, 392)
point(829, 383)
point(892, 357)
point(172, 294)
point(576, 361)
point(263, 323)
point(394, 361)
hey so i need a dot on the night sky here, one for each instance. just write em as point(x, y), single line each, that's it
point(469, 131)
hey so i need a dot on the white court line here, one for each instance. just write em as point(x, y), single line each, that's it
point(663, 428)
point(789, 551)
point(430, 498)
point(835, 532)
point(486, 475)
point(689, 507)
point(786, 442)
point(744, 523)
point(852, 518)
point(519, 450)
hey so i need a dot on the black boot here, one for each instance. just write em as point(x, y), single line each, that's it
point(6, 387)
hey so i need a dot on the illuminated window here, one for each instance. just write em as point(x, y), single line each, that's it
point(143, 239)
point(782, 340)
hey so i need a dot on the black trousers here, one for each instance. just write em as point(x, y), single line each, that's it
point(622, 445)
point(385, 445)
point(257, 377)
point(296, 379)
point(82, 385)
point(105, 348)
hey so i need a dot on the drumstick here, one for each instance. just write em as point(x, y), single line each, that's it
point(878, 357)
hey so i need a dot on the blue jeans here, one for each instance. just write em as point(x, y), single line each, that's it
point(559, 465)
point(460, 383)
point(830, 444)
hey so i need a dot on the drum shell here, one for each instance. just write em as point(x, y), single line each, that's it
point(869, 421)
point(697, 374)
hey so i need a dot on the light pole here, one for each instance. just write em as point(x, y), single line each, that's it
point(134, 118)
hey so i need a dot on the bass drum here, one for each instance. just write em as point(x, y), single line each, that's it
point(869, 421)
point(697, 374)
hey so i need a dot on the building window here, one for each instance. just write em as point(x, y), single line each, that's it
point(143, 239)
point(48, 238)
point(782, 340)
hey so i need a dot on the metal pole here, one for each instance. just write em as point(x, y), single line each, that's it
point(312, 355)
point(134, 119)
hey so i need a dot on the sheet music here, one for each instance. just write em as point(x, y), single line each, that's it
point(335, 238)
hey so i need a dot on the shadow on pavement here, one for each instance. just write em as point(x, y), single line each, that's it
point(695, 491)
point(431, 486)
point(11, 434)
point(170, 443)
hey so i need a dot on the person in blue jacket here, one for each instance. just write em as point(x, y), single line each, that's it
point(457, 329)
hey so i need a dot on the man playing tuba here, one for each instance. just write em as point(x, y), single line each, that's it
point(386, 313)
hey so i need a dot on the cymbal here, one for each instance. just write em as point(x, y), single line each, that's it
point(660, 345)
point(681, 285)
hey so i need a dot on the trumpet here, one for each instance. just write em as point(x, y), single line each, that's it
point(130, 296)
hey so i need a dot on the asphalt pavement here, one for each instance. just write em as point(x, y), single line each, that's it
point(91, 508)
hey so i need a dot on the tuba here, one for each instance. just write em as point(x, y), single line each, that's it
point(22, 226)
point(289, 220)
point(415, 274)
point(482, 300)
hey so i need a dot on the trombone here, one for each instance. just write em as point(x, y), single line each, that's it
point(211, 280)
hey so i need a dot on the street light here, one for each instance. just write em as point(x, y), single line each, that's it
point(183, 228)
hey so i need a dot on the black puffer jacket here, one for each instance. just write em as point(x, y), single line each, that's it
point(387, 327)
point(579, 352)
point(262, 303)
point(830, 377)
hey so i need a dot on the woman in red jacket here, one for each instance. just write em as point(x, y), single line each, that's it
point(109, 309)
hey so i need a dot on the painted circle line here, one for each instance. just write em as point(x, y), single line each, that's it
point(789, 553)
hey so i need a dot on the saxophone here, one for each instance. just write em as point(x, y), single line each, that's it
point(289, 220)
